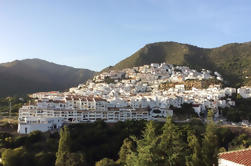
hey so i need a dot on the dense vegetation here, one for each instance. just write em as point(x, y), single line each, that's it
point(185, 112)
point(129, 143)
point(242, 110)
point(232, 60)
point(16, 103)
point(28, 150)
point(34, 75)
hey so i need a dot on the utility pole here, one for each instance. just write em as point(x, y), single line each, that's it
point(10, 108)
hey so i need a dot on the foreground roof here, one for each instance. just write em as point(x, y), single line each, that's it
point(242, 157)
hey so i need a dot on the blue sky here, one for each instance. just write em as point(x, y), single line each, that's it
point(94, 34)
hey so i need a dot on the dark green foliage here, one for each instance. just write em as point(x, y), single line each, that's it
point(171, 144)
point(185, 112)
point(242, 111)
point(88, 143)
point(210, 145)
point(44, 158)
point(108, 80)
point(75, 159)
point(101, 140)
point(124, 143)
point(128, 147)
point(175, 145)
point(240, 142)
point(194, 159)
point(146, 150)
point(16, 103)
point(232, 114)
point(232, 60)
point(33, 75)
point(17, 156)
point(225, 136)
point(64, 142)
point(64, 155)
point(31, 149)
point(106, 162)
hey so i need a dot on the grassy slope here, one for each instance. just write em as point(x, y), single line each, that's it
point(232, 60)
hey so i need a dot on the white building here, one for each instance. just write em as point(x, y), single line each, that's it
point(47, 117)
point(135, 94)
point(112, 114)
point(29, 124)
point(245, 92)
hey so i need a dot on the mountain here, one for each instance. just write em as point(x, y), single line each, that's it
point(233, 61)
point(33, 75)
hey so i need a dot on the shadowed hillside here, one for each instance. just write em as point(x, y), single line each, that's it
point(32, 75)
point(231, 60)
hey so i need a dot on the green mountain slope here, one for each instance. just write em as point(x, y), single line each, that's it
point(233, 61)
point(32, 75)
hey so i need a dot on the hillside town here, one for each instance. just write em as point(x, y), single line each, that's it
point(128, 94)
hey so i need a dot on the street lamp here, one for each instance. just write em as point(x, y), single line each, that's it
point(9, 107)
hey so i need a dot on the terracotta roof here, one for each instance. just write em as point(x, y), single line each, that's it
point(240, 156)
point(113, 109)
point(141, 110)
point(58, 101)
point(99, 99)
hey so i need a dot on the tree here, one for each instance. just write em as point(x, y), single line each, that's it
point(63, 147)
point(146, 151)
point(195, 158)
point(225, 136)
point(42, 159)
point(64, 155)
point(128, 147)
point(171, 145)
point(209, 143)
point(240, 142)
point(11, 157)
point(18, 156)
point(106, 162)
point(75, 159)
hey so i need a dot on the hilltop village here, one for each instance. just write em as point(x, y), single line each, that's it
point(149, 92)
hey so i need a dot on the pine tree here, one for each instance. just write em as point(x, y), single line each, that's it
point(63, 147)
point(12, 157)
point(146, 153)
point(209, 143)
point(171, 145)
point(106, 162)
point(64, 155)
point(75, 159)
point(195, 158)
point(128, 147)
